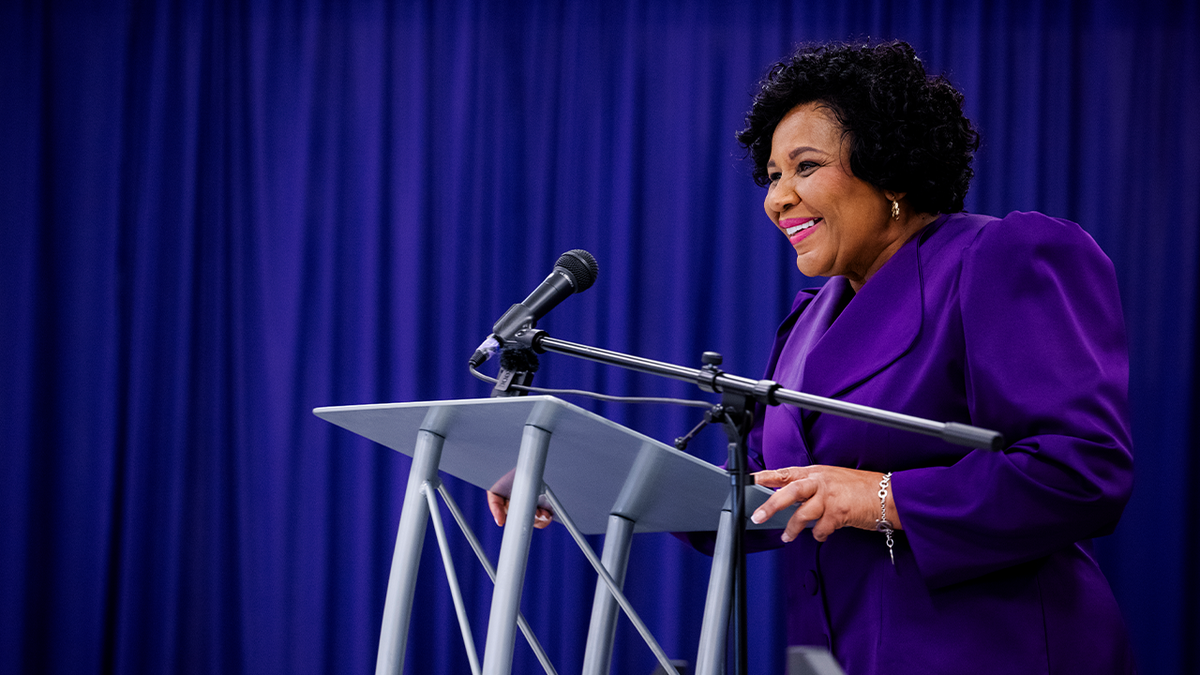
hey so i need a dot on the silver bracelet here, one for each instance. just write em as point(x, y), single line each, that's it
point(882, 524)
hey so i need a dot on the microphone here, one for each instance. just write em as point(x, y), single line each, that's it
point(574, 272)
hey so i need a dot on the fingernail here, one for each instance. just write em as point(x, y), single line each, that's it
point(758, 517)
point(541, 517)
point(787, 537)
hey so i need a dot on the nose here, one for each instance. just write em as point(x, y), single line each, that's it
point(781, 197)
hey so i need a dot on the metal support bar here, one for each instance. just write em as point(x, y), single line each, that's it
point(561, 514)
point(514, 551)
point(710, 660)
point(410, 537)
point(460, 607)
point(491, 572)
point(597, 656)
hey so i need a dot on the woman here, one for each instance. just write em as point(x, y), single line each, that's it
point(982, 559)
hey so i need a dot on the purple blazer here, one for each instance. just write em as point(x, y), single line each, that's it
point(1011, 324)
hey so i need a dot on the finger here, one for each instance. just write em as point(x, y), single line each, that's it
point(810, 510)
point(775, 502)
point(771, 478)
point(498, 506)
point(783, 498)
point(830, 521)
point(823, 528)
point(777, 478)
point(796, 491)
point(542, 519)
point(795, 526)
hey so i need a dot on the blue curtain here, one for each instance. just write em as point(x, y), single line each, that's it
point(215, 216)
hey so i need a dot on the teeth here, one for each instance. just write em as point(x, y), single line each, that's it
point(802, 227)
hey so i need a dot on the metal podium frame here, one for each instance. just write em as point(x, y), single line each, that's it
point(606, 478)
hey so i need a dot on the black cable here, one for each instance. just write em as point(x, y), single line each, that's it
point(592, 394)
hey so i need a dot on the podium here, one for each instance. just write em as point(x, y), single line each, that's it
point(598, 476)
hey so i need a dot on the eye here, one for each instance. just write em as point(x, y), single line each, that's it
point(774, 176)
point(806, 168)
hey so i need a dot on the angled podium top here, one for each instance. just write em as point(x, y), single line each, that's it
point(594, 466)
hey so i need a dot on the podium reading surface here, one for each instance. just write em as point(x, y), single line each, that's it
point(595, 466)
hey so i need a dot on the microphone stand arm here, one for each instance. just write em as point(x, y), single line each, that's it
point(767, 392)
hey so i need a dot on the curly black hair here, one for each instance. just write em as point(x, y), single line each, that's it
point(907, 131)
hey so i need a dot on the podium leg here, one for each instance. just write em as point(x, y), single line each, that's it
point(410, 537)
point(597, 656)
point(713, 632)
point(514, 551)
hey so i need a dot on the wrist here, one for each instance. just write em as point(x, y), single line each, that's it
point(893, 513)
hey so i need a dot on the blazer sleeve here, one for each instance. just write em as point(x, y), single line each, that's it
point(1047, 364)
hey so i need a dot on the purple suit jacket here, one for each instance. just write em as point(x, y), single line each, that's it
point(1011, 324)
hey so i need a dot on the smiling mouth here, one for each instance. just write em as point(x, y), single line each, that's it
point(802, 226)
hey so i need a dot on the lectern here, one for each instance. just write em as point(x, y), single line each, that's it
point(599, 477)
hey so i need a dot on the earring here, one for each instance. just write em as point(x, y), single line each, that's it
point(895, 210)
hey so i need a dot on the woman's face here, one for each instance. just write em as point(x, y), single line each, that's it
point(839, 224)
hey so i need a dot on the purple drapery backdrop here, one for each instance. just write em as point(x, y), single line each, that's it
point(216, 217)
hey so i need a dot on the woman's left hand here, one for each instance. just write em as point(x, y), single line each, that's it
point(498, 505)
point(830, 497)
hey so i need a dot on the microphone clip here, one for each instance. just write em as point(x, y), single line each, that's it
point(527, 338)
point(517, 366)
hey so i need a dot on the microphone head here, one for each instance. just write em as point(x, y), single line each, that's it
point(580, 266)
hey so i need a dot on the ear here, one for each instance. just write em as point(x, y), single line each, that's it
point(894, 196)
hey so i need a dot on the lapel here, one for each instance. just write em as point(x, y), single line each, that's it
point(879, 326)
point(803, 299)
point(807, 331)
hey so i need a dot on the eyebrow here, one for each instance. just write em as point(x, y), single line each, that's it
point(794, 152)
